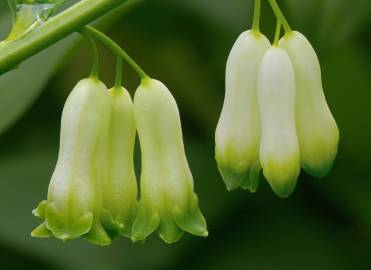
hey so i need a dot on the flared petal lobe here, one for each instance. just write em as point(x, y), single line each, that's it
point(238, 132)
point(279, 150)
point(120, 186)
point(73, 204)
point(318, 132)
point(168, 203)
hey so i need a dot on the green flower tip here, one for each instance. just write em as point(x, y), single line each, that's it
point(239, 175)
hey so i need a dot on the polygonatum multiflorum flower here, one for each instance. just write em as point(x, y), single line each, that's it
point(168, 203)
point(279, 149)
point(120, 185)
point(293, 126)
point(317, 130)
point(73, 205)
point(238, 132)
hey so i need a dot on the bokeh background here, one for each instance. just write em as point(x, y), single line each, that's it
point(325, 224)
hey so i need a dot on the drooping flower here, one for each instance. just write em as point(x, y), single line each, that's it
point(318, 132)
point(279, 150)
point(73, 205)
point(120, 186)
point(168, 203)
point(238, 132)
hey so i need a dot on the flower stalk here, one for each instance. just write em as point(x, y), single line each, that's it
point(277, 11)
point(117, 50)
point(95, 66)
point(278, 33)
point(256, 20)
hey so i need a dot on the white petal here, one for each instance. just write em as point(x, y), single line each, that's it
point(74, 191)
point(279, 150)
point(120, 185)
point(238, 131)
point(167, 197)
point(318, 133)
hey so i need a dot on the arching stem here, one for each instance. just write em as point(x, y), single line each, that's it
point(256, 20)
point(117, 50)
point(118, 77)
point(54, 29)
point(95, 65)
point(277, 11)
point(278, 33)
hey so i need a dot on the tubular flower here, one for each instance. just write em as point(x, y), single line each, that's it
point(168, 203)
point(238, 132)
point(73, 206)
point(120, 186)
point(279, 149)
point(318, 133)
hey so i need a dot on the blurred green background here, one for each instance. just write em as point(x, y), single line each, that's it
point(325, 224)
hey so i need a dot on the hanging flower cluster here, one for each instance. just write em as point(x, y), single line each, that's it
point(93, 190)
point(275, 117)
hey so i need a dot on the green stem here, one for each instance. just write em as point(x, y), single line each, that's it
point(95, 66)
point(13, 9)
point(117, 50)
point(277, 11)
point(53, 30)
point(256, 20)
point(118, 78)
point(278, 33)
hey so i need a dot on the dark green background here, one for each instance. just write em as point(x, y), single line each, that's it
point(325, 224)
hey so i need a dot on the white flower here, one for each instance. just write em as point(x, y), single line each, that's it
point(72, 208)
point(168, 203)
point(238, 132)
point(317, 131)
point(120, 185)
point(279, 150)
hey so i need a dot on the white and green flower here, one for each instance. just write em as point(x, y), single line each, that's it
point(168, 203)
point(120, 185)
point(317, 130)
point(238, 132)
point(73, 205)
point(279, 149)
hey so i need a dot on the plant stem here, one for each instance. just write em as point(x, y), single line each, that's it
point(95, 66)
point(278, 33)
point(118, 78)
point(256, 20)
point(53, 30)
point(277, 11)
point(117, 50)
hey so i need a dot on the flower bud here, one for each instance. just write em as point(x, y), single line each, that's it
point(238, 132)
point(168, 203)
point(120, 186)
point(279, 150)
point(72, 208)
point(318, 133)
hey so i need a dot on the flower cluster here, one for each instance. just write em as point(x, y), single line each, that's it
point(275, 117)
point(93, 190)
